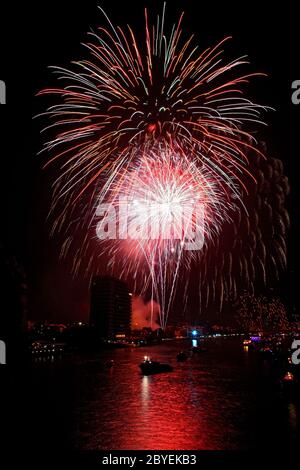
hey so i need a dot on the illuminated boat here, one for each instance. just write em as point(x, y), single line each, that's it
point(247, 342)
point(289, 383)
point(266, 352)
point(149, 367)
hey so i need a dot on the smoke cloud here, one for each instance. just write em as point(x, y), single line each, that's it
point(142, 312)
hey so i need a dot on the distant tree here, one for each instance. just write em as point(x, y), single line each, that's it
point(261, 313)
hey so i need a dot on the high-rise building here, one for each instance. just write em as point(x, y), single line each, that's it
point(110, 312)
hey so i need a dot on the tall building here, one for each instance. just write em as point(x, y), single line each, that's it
point(110, 311)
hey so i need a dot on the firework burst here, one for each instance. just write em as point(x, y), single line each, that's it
point(158, 122)
point(167, 207)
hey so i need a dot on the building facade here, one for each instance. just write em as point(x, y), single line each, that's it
point(110, 312)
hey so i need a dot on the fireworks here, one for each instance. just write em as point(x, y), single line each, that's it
point(121, 97)
point(161, 124)
point(250, 253)
point(166, 208)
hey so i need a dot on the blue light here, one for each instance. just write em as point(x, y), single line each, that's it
point(194, 332)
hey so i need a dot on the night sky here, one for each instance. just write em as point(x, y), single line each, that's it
point(50, 34)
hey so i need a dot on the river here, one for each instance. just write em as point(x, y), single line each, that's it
point(223, 399)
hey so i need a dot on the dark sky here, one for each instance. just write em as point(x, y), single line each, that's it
point(50, 34)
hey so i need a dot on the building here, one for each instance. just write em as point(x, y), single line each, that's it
point(110, 311)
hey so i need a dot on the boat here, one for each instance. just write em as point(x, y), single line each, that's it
point(148, 366)
point(181, 356)
point(266, 352)
point(289, 383)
